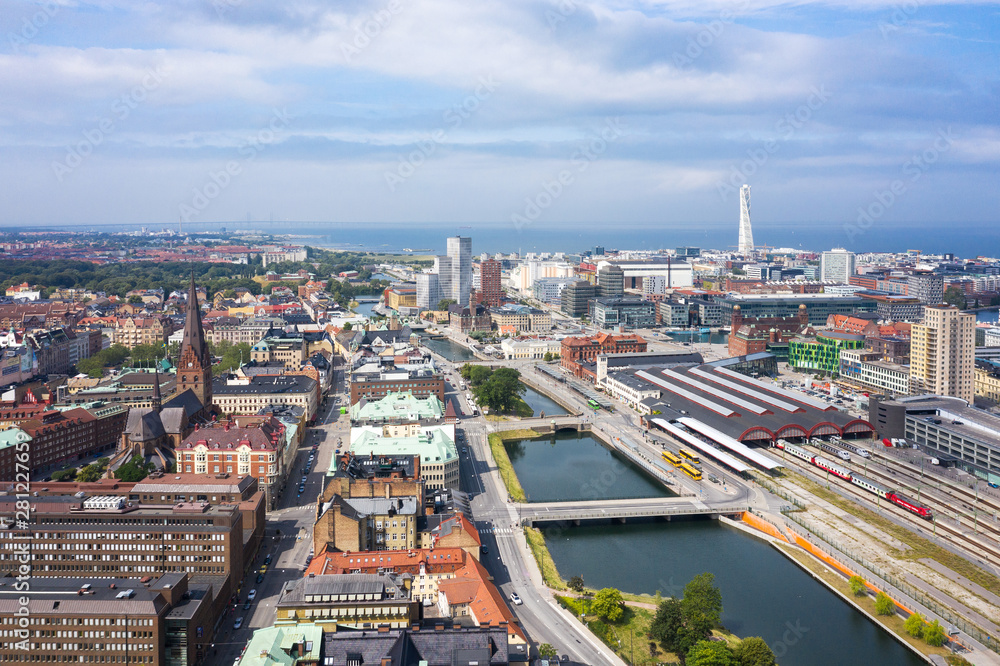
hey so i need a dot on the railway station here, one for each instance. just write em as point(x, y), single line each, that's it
point(744, 409)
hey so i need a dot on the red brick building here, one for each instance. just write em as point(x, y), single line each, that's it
point(224, 448)
point(491, 288)
point(751, 335)
point(575, 350)
point(61, 438)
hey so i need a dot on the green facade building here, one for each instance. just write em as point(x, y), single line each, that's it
point(822, 353)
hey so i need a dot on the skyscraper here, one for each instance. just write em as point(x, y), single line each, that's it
point(460, 284)
point(611, 281)
point(942, 352)
point(746, 233)
point(489, 278)
point(837, 265)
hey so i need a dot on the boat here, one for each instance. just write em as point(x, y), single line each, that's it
point(704, 330)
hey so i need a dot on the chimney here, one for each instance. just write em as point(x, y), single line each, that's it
point(383, 629)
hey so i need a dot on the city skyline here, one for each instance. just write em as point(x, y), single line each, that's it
point(530, 115)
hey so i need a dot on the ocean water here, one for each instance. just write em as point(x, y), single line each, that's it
point(962, 239)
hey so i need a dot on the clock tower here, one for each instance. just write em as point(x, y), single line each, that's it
point(194, 367)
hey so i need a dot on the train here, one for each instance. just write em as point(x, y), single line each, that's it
point(856, 479)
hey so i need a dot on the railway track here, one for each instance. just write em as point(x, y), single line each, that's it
point(914, 471)
point(976, 549)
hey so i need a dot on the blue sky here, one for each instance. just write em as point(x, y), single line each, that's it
point(559, 113)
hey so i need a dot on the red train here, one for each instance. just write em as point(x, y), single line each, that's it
point(871, 486)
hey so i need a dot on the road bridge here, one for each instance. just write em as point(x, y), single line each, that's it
point(624, 509)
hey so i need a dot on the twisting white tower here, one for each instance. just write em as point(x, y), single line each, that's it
point(746, 233)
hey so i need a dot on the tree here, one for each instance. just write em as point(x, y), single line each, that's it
point(884, 604)
point(64, 475)
point(445, 302)
point(753, 651)
point(545, 651)
point(576, 583)
point(547, 357)
point(89, 474)
point(479, 374)
point(147, 352)
point(955, 296)
point(348, 326)
point(934, 634)
point(914, 625)
point(709, 653)
point(607, 604)
point(857, 584)
point(135, 300)
point(667, 623)
point(132, 471)
point(702, 598)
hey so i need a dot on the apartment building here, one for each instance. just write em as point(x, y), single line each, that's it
point(942, 352)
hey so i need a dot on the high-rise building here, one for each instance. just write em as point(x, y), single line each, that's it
point(942, 352)
point(926, 287)
point(194, 367)
point(837, 265)
point(489, 278)
point(576, 297)
point(428, 290)
point(746, 233)
point(460, 253)
point(610, 281)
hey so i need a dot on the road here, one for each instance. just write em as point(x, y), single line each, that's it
point(288, 532)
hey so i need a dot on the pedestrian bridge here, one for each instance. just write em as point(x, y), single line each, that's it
point(624, 509)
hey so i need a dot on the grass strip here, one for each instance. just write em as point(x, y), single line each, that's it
point(504, 465)
point(536, 541)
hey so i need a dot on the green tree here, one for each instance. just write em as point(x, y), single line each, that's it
point(709, 653)
point(478, 375)
point(64, 475)
point(445, 302)
point(934, 634)
point(576, 583)
point(884, 604)
point(857, 584)
point(667, 623)
point(89, 474)
point(914, 625)
point(547, 357)
point(148, 352)
point(135, 300)
point(753, 651)
point(607, 604)
point(348, 326)
point(132, 471)
point(702, 598)
point(955, 296)
point(545, 651)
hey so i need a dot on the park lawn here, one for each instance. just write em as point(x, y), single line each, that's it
point(628, 637)
point(504, 465)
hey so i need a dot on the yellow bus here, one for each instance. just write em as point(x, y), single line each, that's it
point(692, 458)
point(691, 471)
point(671, 458)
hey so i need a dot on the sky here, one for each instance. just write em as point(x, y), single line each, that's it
point(558, 113)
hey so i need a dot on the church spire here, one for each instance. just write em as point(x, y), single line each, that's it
point(194, 332)
point(194, 368)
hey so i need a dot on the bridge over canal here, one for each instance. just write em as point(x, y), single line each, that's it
point(623, 509)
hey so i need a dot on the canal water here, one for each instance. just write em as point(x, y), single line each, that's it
point(448, 348)
point(574, 466)
point(763, 593)
point(988, 316)
point(542, 403)
point(365, 309)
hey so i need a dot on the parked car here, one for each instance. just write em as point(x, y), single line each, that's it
point(252, 595)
